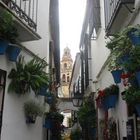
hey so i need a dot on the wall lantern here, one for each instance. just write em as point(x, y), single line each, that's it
point(77, 100)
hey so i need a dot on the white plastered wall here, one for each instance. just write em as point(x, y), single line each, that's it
point(14, 126)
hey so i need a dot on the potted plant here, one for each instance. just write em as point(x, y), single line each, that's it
point(133, 65)
point(120, 46)
point(48, 121)
point(110, 96)
point(12, 52)
point(132, 97)
point(43, 90)
point(32, 109)
point(27, 76)
point(8, 31)
point(87, 117)
point(133, 33)
point(53, 120)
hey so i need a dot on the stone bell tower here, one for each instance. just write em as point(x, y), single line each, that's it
point(66, 71)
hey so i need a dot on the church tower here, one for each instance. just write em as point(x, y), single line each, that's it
point(66, 70)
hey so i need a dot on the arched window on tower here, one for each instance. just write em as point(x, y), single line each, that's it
point(63, 78)
point(65, 65)
point(68, 79)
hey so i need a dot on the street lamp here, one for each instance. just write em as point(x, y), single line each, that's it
point(77, 100)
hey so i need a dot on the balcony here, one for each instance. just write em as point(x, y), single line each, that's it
point(24, 14)
point(116, 13)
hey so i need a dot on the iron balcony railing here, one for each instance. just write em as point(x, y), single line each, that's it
point(26, 10)
point(111, 9)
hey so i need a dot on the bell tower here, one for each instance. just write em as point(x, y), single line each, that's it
point(66, 70)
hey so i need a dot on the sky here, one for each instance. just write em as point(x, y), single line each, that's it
point(71, 15)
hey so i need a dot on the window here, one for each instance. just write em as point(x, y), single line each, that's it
point(68, 79)
point(65, 65)
point(63, 78)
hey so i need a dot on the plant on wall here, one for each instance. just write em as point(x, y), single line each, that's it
point(8, 29)
point(27, 76)
point(119, 46)
point(32, 109)
point(87, 114)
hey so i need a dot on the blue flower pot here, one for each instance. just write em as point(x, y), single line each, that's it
point(43, 91)
point(3, 46)
point(30, 119)
point(124, 59)
point(117, 75)
point(48, 124)
point(137, 107)
point(138, 77)
point(134, 37)
point(49, 99)
point(109, 101)
point(12, 52)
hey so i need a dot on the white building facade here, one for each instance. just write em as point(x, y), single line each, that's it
point(101, 22)
point(32, 19)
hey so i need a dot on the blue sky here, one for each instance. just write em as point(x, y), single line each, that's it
point(71, 15)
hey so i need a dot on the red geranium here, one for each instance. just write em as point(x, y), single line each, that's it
point(125, 75)
point(98, 99)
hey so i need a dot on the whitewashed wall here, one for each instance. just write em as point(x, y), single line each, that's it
point(99, 56)
point(14, 126)
point(40, 47)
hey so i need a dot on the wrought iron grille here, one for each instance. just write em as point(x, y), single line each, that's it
point(26, 10)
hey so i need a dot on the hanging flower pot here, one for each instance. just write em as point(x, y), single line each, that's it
point(3, 46)
point(49, 99)
point(30, 119)
point(12, 52)
point(124, 58)
point(32, 109)
point(138, 77)
point(48, 124)
point(117, 75)
point(137, 107)
point(109, 101)
point(43, 91)
point(134, 36)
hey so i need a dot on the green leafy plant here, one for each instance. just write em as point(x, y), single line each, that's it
point(8, 28)
point(27, 76)
point(134, 60)
point(87, 114)
point(33, 109)
point(111, 90)
point(76, 134)
point(114, 89)
point(132, 96)
point(54, 116)
point(135, 29)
